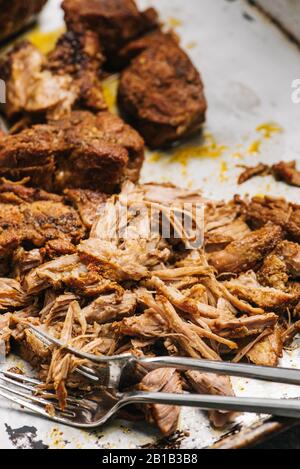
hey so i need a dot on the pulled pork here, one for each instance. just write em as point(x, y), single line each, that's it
point(142, 292)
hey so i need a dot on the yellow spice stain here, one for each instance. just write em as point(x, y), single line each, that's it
point(110, 92)
point(174, 22)
point(44, 41)
point(155, 157)
point(255, 147)
point(56, 436)
point(191, 45)
point(223, 171)
point(237, 155)
point(268, 129)
point(209, 149)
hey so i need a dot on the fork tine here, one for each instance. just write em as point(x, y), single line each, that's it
point(47, 339)
point(21, 378)
point(31, 385)
point(37, 400)
point(38, 409)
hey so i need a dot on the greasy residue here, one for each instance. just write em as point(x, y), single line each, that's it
point(210, 148)
point(268, 129)
point(44, 41)
point(254, 147)
point(57, 438)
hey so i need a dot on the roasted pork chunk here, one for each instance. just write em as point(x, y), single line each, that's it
point(247, 253)
point(40, 87)
point(32, 218)
point(82, 151)
point(261, 210)
point(115, 21)
point(161, 93)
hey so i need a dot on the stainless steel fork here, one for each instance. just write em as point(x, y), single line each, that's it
point(96, 409)
point(110, 371)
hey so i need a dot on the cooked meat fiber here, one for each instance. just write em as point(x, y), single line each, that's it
point(87, 203)
point(248, 252)
point(16, 15)
point(115, 21)
point(26, 216)
point(109, 295)
point(83, 151)
point(267, 351)
point(261, 210)
point(253, 171)
point(283, 171)
point(163, 380)
point(215, 385)
point(287, 172)
point(161, 93)
point(50, 87)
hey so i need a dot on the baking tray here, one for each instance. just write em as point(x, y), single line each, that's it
point(248, 66)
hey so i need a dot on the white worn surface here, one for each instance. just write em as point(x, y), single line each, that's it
point(248, 67)
point(286, 12)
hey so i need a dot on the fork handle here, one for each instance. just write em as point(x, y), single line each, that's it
point(277, 407)
point(265, 373)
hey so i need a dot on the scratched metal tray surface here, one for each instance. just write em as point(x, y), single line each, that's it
point(248, 66)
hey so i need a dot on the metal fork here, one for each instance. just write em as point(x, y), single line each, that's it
point(113, 370)
point(96, 409)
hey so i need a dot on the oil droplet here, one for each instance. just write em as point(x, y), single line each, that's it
point(110, 92)
point(268, 129)
point(255, 147)
point(44, 41)
point(174, 22)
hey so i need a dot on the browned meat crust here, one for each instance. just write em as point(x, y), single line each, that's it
point(253, 171)
point(17, 14)
point(50, 87)
point(247, 253)
point(261, 210)
point(84, 150)
point(268, 351)
point(87, 203)
point(33, 217)
point(139, 45)
point(161, 92)
point(116, 22)
point(287, 172)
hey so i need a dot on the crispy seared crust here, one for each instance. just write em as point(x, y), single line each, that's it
point(84, 150)
point(116, 22)
point(40, 87)
point(33, 217)
point(87, 203)
point(139, 45)
point(161, 92)
point(261, 210)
